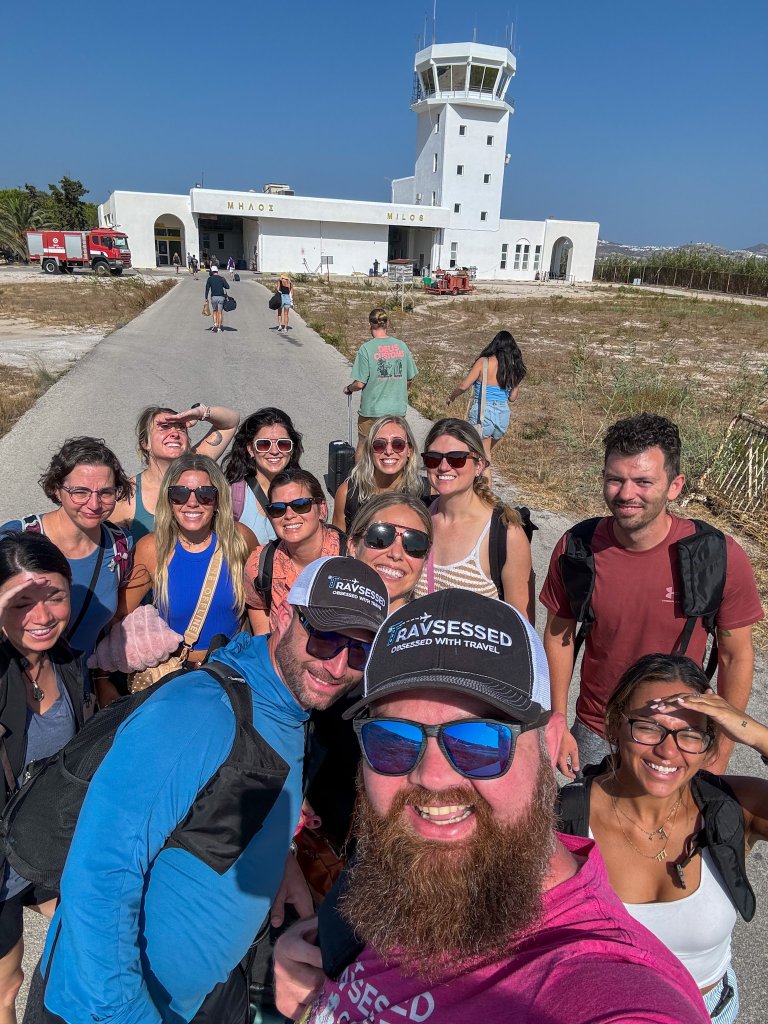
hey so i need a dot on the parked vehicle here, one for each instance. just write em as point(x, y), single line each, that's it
point(449, 282)
point(104, 251)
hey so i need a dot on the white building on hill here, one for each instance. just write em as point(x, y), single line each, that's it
point(446, 214)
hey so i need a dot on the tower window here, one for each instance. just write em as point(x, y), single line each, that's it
point(434, 198)
point(462, 129)
point(536, 257)
point(489, 140)
point(484, 215)
point(518, 251)
point(454, 254)
point(526, 252)
point(486, 179)
point(460, 169)
point(504, 251)
point(434, 163)
point(437, 124)
point(457, 207)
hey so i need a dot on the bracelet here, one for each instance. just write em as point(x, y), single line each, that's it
point(206, 410)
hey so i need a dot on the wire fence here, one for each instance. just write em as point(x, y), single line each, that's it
point(696, 278)
point(737, 478)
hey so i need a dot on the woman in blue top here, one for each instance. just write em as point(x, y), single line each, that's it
point(505, 373)
point(192, 518)
point(42, 705)
point(265, 444)
point(85, 480)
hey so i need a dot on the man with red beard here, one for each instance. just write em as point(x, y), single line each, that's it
point(643, 581)
point(461, 898)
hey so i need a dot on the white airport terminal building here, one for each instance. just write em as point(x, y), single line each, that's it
point(446, 214)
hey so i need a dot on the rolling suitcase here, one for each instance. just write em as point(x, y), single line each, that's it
point(341, 456)
point(236, 277)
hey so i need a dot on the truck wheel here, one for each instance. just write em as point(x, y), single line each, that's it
point(101, 269)
point(117, 272)
point(50, 267)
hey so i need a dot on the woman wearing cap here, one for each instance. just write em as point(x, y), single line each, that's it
point(389, 463)
point(194, 522)
point(467, 517)
point(285, 290)
point(297, 509)
point(673, 836)
point(265, 444)
point(162, 436)
point(392, 533)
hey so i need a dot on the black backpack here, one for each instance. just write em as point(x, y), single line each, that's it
point(38, 822)
point(701, 559)
point(497, 541)
point(263, 581)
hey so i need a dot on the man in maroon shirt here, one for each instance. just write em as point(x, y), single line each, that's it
point(636, 597)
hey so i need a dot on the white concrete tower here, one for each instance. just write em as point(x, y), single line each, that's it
point(461, 140)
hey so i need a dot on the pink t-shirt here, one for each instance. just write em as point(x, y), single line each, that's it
point(588, 962)
point(636, 601)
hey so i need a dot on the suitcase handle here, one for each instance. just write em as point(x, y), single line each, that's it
point(349, 421)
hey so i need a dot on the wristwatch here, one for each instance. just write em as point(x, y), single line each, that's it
point(206, 410)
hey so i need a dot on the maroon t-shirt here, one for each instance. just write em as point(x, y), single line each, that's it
point(636, 602)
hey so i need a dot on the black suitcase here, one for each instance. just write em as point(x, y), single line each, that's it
point(341, 456)
point(236, 277)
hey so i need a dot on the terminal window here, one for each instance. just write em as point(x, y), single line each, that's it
point(504, 251)
point(460, 169)
point(536, 257)
point(483, 215)
point(462, 129)
point(454, 254)
point(489, 140)
point(434, 163)
point(486, 179)
point(457, 207)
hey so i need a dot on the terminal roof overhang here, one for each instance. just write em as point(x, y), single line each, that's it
point(206, 201)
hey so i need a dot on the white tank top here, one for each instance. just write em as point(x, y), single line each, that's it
point(697, 928)
point(464, 575)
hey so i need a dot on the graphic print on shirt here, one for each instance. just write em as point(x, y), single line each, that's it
point(368, 1001)
point(389, 361)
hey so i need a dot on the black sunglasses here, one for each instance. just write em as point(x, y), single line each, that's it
point(477, 748)
point(396, 444)
point(206, 495)
point(380, 536)
point(276, 509)
point(327, 645)
point(456, 460)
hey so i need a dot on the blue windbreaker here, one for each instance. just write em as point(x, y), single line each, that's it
point(144, 933)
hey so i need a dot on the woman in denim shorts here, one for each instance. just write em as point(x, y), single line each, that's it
point(505, 372)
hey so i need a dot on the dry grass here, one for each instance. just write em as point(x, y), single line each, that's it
point(82, 303)
point(591, 359)
point(20, 391)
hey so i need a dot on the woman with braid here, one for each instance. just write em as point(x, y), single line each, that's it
point(462, 515)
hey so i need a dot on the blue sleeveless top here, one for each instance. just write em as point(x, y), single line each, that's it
point(493, 393)
point(143, 520)
point(186, 574)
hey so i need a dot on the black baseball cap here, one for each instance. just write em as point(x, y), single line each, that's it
point(340, 593)
point(461, 642)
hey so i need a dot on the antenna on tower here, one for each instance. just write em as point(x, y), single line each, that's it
point(434, 20)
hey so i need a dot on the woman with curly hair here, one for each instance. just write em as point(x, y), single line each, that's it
point(388, 464)
point(193, 521)
point(85, 481)
point(265, 444)
point(505, 371)
point(463, 516)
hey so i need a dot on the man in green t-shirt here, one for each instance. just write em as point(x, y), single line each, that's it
point(382, 370)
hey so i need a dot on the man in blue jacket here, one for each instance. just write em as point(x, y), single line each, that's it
point(147, 929)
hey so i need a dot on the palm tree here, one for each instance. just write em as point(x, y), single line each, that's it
point(19, 214)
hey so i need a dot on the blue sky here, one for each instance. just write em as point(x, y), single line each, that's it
point(650, 118)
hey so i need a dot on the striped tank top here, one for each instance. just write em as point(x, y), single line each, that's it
point(464, 575)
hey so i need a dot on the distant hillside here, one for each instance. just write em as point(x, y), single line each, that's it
point(645, 252)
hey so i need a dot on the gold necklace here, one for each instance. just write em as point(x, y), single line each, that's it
point(37, 693)
point(660, 831)
point(662, 854)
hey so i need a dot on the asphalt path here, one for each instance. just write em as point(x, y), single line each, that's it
point(169, 356)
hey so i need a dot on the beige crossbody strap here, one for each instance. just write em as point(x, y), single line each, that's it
point(195, 627)
point(483, 389)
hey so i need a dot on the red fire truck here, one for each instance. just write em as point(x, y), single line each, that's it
point(104, 251)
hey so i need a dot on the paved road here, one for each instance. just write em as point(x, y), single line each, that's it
point(166, 356)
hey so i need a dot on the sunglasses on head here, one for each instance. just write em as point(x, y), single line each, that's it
point(395, 444)
point(327, 645)
point(262, 445)
point(380, 536)
point(477, 748)
point(456, 460)
point(276, 509)
point(206, 495)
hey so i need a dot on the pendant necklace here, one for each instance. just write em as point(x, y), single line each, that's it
point(37, 693)
point(662, 854)
point(661, 831)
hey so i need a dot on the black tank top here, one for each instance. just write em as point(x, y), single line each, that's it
point(353, 503)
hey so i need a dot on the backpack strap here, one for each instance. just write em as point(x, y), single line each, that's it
point(257, 491)
point(577, 571)
point(572, 803)
point(263, 582)
point(338, 943)
point(122, 555)
point(702, 562)
point(32, 524)
point(238, 499)
point(342, 538)
point(497, 548)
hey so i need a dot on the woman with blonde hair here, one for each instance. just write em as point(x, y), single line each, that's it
point(193, 522)
point(476, 536)
point(388, 464)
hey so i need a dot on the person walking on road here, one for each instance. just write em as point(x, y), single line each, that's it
point(176, 261)
point(176, 860)
point(217, 287)
point(383, 369)
point(231, 267)
point(285, 288)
